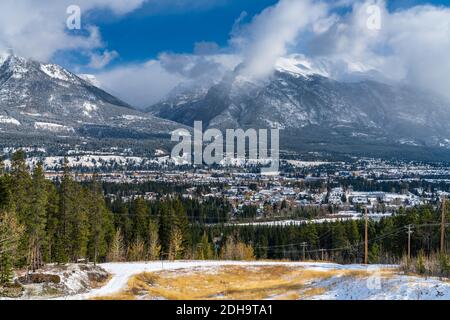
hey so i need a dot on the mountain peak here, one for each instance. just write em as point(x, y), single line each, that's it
point(46, 99)
point(298, 65)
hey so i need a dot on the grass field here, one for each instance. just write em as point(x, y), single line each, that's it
point(231, 282)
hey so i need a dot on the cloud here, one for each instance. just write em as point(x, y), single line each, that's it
point(268, 36)
point(144, 84)
point(37, 29)
point(410, 46)
point(192, 66)
point(98, 61)
point(141, 85)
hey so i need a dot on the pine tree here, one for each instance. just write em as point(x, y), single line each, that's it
point(140, 214)
point(20, 184)
point(117, 249)
point(10, 234)
point(79, 224)
point(100, 221)
point(153, 245)
point(37, 218)
point(176, 244)
point(51, 228)
point(181, 221)
point(5, 189)
point(136, 252)
point(67, 202)
point(205, 249)
point(165, 226)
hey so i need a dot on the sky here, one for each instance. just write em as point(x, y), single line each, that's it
point(140, 50)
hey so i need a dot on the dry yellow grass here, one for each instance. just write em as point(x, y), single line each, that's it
point(99, 284)
point(230, 282)
point(313, 292)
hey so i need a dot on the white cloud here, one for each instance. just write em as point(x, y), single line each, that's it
point(140, 85)
point(98, 61)
point(270, 33)
point(143, 84)
point(411, 46)
point(37, 29)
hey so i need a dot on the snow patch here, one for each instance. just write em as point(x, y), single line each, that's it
point(91, 79)
point(88, 108)
point(55, 72)
point(132, 117)
point(52, 127)
point(9, 120)
point(298, 65)
point(307, 164)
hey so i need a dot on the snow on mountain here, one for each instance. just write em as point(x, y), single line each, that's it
point(90, 78)
point(298, 65)
point(54, 127)
point(316, 111)
point(9, 120)
point(3, 58)
point(56, 72)
point(39, 98)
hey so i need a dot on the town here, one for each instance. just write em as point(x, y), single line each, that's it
point(319, 190)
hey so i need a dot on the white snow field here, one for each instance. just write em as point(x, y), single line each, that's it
point(372, 287)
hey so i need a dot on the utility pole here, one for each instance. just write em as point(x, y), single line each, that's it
point(443, 226)
point(322, 251)
point(409, 242)
point(304, 245)
point(366, 240)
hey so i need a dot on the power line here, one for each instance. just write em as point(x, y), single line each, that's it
point(409, 241)
point(366, 238)
point(443, 226)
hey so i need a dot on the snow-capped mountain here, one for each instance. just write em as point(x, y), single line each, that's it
point(312, 108)
point(38, 98)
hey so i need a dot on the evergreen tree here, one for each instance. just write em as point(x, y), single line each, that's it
point(153, 245)
point(51, 228)
point(37, 218)
point(176, 244)
point(67, 202)
point(117, 249)
point(100, 221)
point(79, 224)
point(20, 184)
point(10, 234)
point(140, 214)
point(136, 252)
point(205, 250)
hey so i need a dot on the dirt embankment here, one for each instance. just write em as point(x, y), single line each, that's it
point(55, 281)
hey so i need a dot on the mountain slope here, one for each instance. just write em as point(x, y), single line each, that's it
point(313, 109)
point(38, 98)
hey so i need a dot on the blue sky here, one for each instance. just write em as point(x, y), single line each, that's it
point(144, 33)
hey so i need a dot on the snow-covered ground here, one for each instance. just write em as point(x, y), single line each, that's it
point(375, 286)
